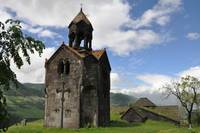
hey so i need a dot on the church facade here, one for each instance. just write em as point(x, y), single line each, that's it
point(77, 81)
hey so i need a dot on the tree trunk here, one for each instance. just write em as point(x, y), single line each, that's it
point(190, 119)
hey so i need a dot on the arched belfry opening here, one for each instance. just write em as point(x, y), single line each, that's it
point(80, 29)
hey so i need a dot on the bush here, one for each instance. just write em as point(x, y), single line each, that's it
point(196, 117)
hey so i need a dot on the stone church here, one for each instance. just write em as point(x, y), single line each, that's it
point(77, 81)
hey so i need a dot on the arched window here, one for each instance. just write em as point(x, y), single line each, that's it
point(63, 67)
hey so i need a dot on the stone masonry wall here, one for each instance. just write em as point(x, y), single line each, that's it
point(87, 91)
point(89, 96)
point(104, 95)
point(54, 84)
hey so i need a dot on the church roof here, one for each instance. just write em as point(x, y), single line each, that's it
point(84, 53)
point(81, 53)
point(98, 53)
point(80, 17)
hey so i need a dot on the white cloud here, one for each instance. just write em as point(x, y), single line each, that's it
point(152, 83)
point(30, 28)
point(159, 14)
point(108, 18)
point(115, 79)
point(48, 33)
point(163, 20)
point(193, 36)
point(4, 15)
point(193, 71)
point(155, 80)
point(34, 30)
point(35, 72)
point(40, 31)
point(126, 42)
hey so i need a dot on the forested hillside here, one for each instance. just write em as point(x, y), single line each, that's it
point(27, 101)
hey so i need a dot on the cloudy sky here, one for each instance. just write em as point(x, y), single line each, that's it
point(149, 42)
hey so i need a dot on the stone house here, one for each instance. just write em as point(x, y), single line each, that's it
point(77, 86)
point(145, 109)
point(136, 114)
point(133, 115)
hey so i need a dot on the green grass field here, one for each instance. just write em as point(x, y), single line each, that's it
point(29, 103)
point(116, 126)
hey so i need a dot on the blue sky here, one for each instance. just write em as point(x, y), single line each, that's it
point(149, 42)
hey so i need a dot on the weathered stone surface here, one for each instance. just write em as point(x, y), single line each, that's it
point(86, 89)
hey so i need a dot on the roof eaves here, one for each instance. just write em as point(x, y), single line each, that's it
point(55, 53)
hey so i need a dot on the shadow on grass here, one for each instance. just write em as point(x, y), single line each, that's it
point(115, 123)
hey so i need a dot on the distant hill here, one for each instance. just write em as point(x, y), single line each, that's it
point(27, 101)
point(26, 89)
point(119, 99)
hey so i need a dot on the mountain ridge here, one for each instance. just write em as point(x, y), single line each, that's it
point(27, 101)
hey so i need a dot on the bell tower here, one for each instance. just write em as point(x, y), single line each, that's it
point(80, 29)
point(77, 81)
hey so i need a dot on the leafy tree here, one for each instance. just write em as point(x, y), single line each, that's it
point(14, 46)
point(187, 92)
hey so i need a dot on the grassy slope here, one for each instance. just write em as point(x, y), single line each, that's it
point(116, 127)
point(26, 101)
point(31, 107)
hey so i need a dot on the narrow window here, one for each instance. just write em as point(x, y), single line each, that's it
point(63, 67)
point(67, 67)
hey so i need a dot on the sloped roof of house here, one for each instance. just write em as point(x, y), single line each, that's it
point(144, 112)
point(131, 114)
point(144, 102)
point(170, 111)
